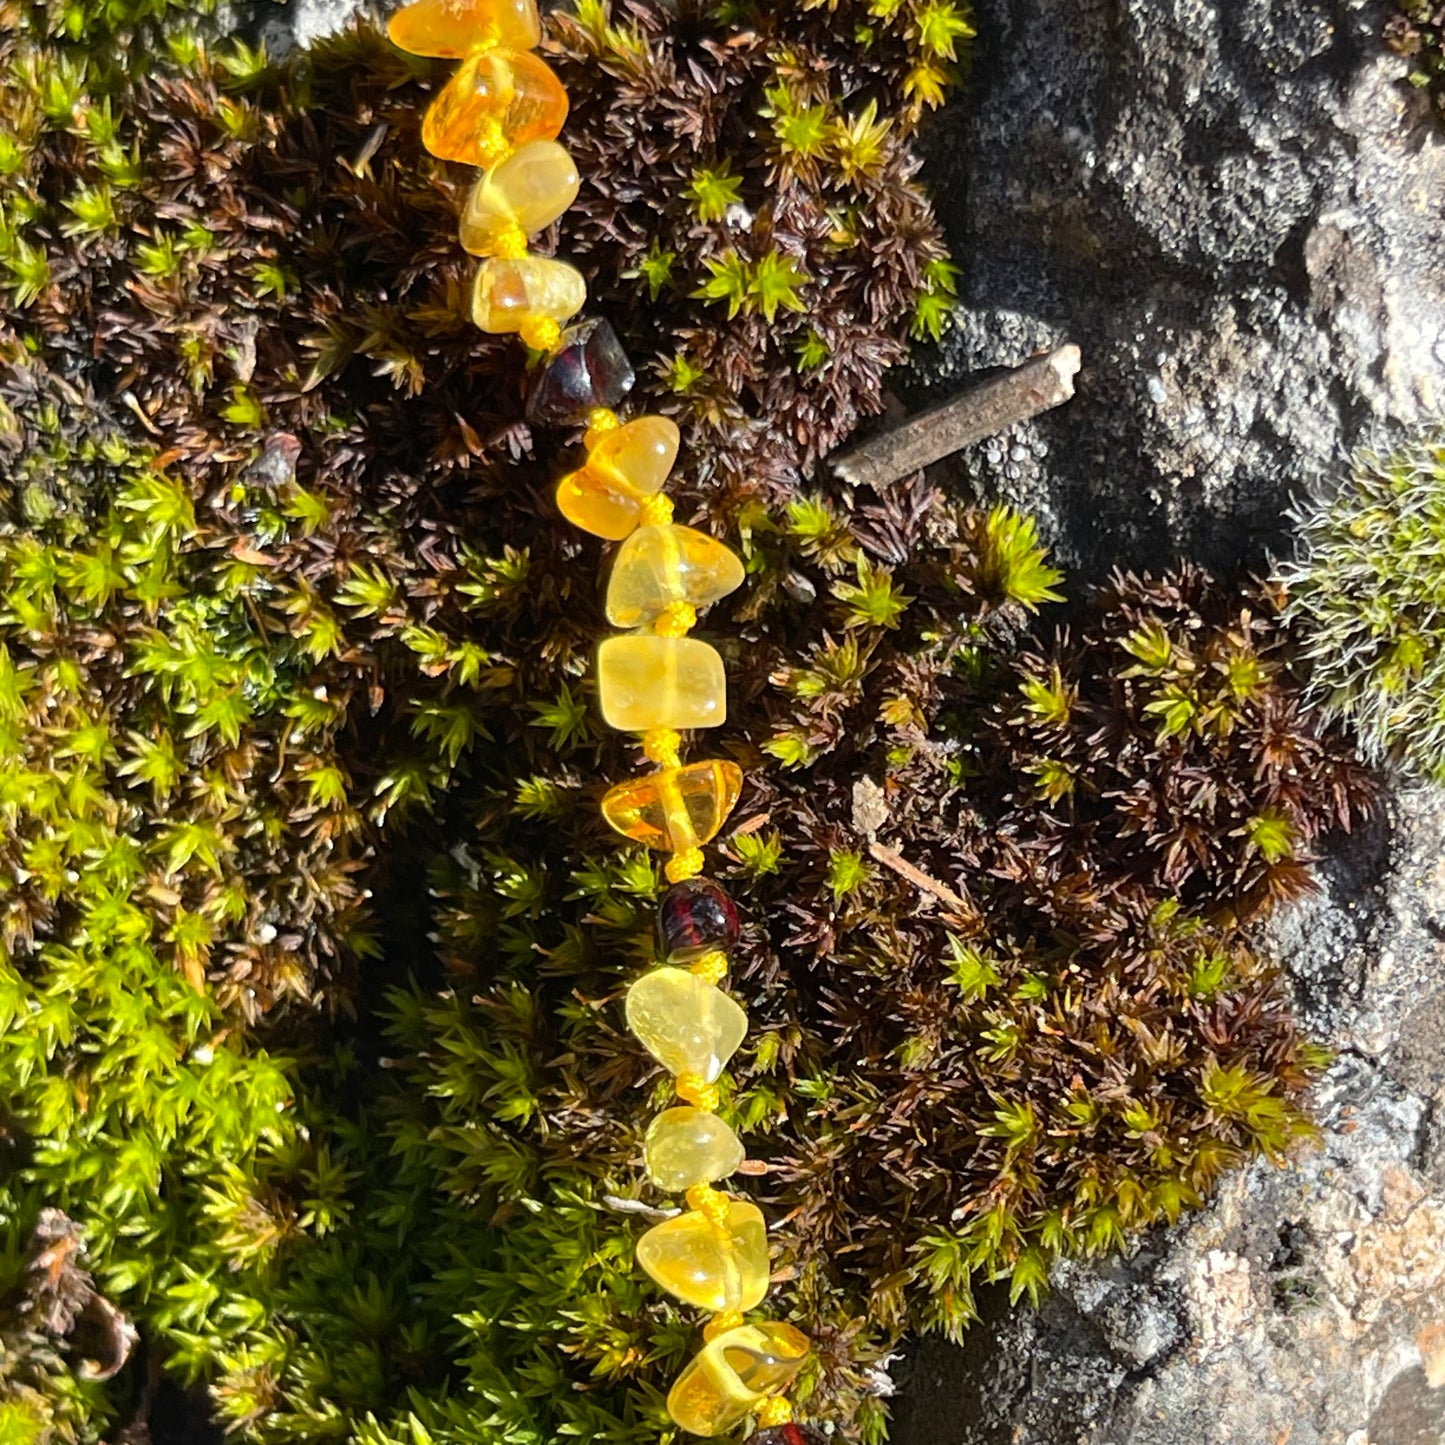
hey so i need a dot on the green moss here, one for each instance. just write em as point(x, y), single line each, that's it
point(1366, 594)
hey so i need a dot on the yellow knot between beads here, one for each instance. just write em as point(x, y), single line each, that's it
point(775, 1410)
point(684, 865)
point(493, 147)
point(603, 419)
point(657, 510)
point(677, 619)
point(710, 1202)
point(661, 745)
point(510, 242)
point(695, 1090)
point(721, 1323)
point(711, 967)
point(541, 333)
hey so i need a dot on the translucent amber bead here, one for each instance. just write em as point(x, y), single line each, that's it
point(712, 1266)
point(526, 193)
point(450, 28)
point(497, 101)
point(508, 293)
point(676, 809)
point(695, 918)
point(793, 1433)
point(660, 682)
point(731, 1375)
point(687, 1146)
point(626, 467)
point(687, 1025)
point(658, 567)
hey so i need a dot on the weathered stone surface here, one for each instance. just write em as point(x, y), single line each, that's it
point(1306, 1304)
point(1234, 209)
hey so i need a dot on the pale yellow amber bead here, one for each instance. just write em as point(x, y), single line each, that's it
point(686, 1146)
point(624, 468)
point(451, 28)
point(509, 293)
point(646, 682)
point(711, 1266)
point(688, 1025)
point(659, 567)
point(733, 1374)
point(525, 193)
point(677, 809)
point(497, 101)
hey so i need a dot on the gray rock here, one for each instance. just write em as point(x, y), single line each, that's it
point(1234, 209)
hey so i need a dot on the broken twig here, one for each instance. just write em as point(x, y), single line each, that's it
point(960, 908)
point(981, 411)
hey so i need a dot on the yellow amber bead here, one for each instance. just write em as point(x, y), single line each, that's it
point(625, 467)
point(526, 192)
point(733, 1374)
point(712, 1266)
point(497, 101)
point(509, 293)
point(659, 568)
point(676, 809)
point(646, 682)
point(687, 1025)
point(450, 28)
point(689, 1146)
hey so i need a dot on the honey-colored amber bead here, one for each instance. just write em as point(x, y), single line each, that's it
point(676, 809)
point(509, 293)
point(524, 194)
point(659, 567)
point(688, 1025)
point(646, 682)
point(733, 1374)
point(496, 102)
point(452, 28)
point(624, 468)
point(687, 1146)
point(712, 1266)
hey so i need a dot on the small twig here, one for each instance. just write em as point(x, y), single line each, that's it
point(981, 411)
point(961, 908)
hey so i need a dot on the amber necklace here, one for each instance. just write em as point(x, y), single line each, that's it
point(502, 111)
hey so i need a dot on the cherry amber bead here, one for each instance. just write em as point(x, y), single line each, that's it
point(792, 1433)
point(587, 370)
point(658, 567)
point(450, 29)
point(688, 1025)
point(625, 467)
point(646, 682)
point(686, 1147)
point(525, 193)
point(733, 1374)
point(677, 808)
point(508, 293)
point(696, 917)
point(710, 1266)
point(497, 101)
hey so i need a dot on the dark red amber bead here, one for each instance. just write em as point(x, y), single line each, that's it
point(793, 1433)
point(586, 370)
point(696, 917)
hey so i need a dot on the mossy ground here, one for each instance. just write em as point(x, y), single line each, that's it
point(314, 940)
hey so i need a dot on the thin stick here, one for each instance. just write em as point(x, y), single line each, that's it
point(981, 411)
point(960, 906)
